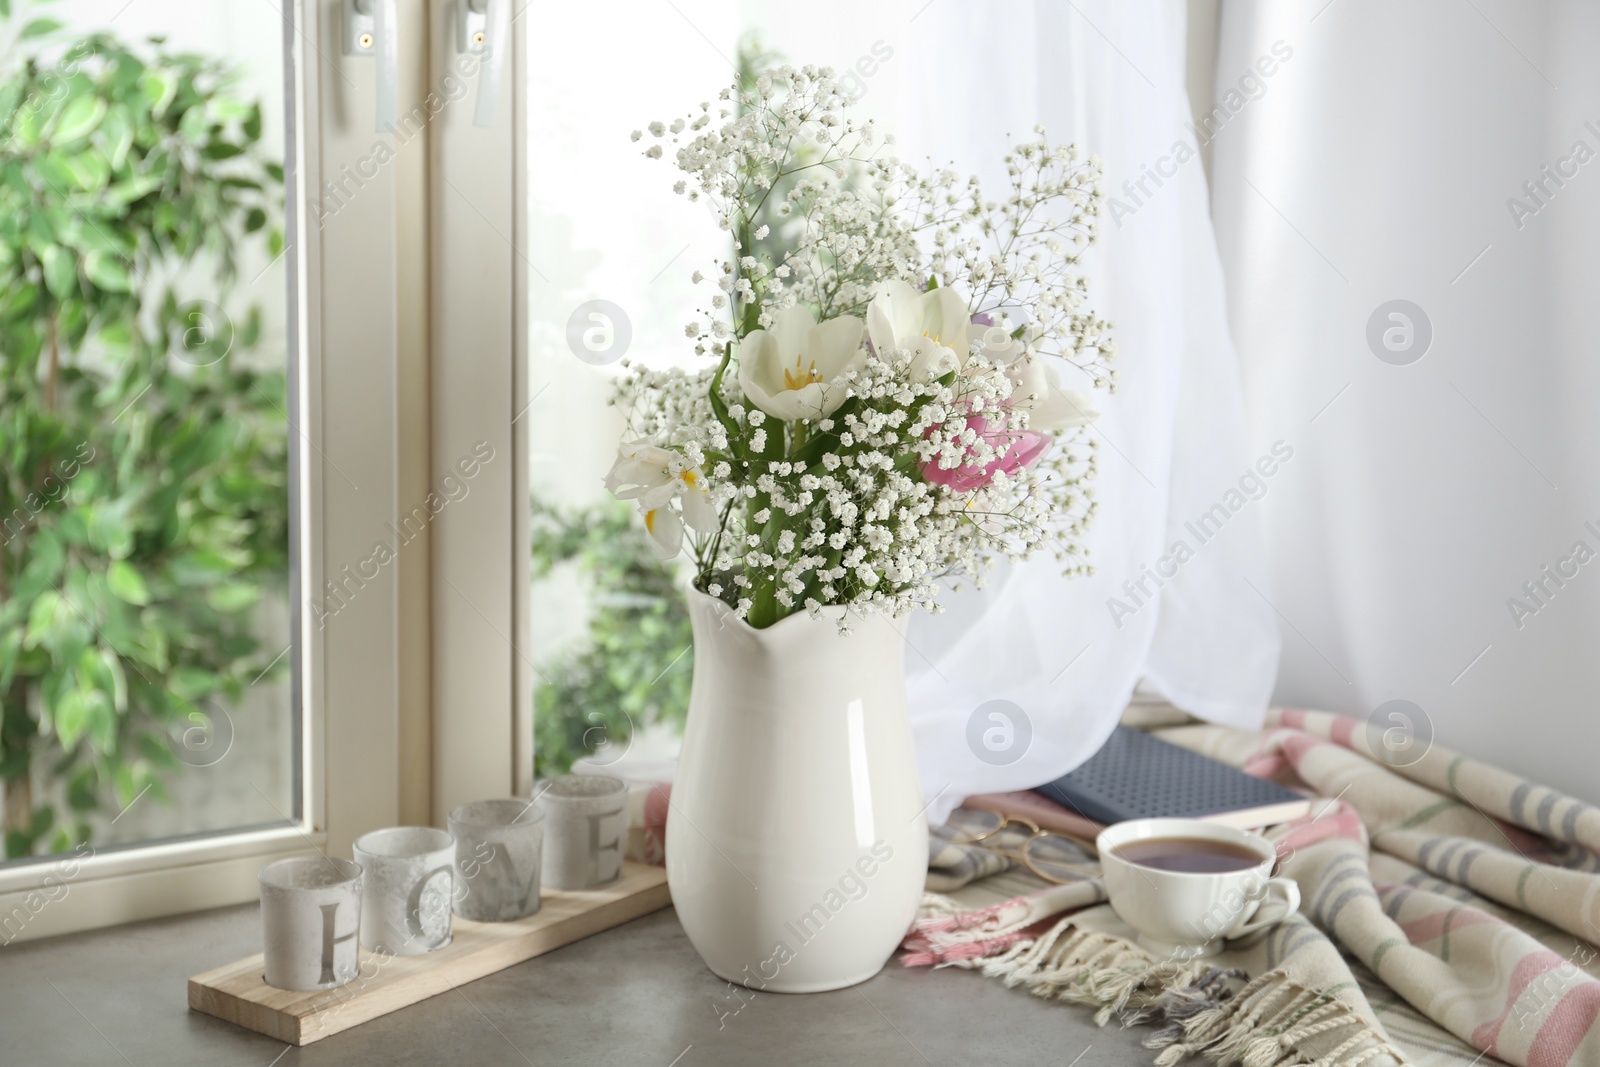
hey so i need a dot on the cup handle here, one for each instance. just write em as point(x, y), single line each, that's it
point(1277, 899)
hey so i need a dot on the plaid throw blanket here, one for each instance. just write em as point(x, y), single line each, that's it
point(1448, 909)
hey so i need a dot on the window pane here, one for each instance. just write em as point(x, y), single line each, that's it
point(145, 615)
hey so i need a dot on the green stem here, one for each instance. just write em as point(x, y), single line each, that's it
point(764, 607)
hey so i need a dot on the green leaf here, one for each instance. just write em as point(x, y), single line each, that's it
point(52, 167)
point(122, 783)
point(91, 238)
point(126, 192)
point(126, 70)
point(109, 531)
point(158, 791)
point(80, 791)
point(38, 28)
point(89, 170)
point(29, 124)
point(233, 596)
point(42, 618)
point(158, 88)
point(17, 300)
point(116, 135)
point(111, 667)
point(107, 272)
point(60, 271)
point(100, 719)
point(127, 583)
point(158, 750)
point(45, 557)
point(5, 9)
point(226, 109)
point(209, 446)
point(73, 529)
point(78, 119)
point(194, 125)
point(222, 150)
point(71, 717)
point(192, 683)
point(252, 328)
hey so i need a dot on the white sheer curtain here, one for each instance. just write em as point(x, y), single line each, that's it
point(1179, 597)
point(1441, 153)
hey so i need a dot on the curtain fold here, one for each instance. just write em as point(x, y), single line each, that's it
point(1018, 683)
point(1430, 539)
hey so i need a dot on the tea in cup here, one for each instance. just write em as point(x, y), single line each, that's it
point(1188, 885)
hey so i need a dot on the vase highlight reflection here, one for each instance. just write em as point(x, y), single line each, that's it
point(797, 848)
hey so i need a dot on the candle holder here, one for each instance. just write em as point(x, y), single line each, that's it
point(405, 899)
point(498, 851)
point(586, 816)
point(310, 911)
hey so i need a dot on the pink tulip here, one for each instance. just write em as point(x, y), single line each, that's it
point(1018, 449)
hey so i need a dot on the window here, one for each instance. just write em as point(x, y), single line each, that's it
point(147, 645)
point(194, 684)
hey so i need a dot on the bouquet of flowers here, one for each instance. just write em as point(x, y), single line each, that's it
point(882, 407)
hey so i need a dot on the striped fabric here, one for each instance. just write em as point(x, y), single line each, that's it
point(1448, 915)
point(1468, 891)
point(951, 865)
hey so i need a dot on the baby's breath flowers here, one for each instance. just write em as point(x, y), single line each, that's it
point(883, 411)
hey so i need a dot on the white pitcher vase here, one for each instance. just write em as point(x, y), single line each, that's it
point(797, 846)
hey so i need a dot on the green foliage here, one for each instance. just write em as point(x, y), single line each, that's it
point(143, 486)
point(635, 667)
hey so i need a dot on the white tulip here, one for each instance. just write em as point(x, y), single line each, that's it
point(655, 477)
point(933, 326)
point(665, 530)
point(797, 369)
point(1039, 393)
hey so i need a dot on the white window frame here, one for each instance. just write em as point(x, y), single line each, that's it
point(359, 321)
point(482, 709)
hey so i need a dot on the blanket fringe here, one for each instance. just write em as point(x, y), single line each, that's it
point(1204, 1009)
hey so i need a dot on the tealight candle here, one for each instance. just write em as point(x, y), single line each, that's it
point(586, 816)
point(405, 901)
point(310, 911)
point(498, 847)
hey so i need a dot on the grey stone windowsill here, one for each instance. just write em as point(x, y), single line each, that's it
point(634, 995)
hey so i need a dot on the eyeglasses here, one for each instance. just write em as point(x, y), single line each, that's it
point(1055, 857)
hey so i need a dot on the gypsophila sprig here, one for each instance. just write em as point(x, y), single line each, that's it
point(882, 414)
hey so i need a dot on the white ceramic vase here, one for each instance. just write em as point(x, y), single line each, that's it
point(797, 847)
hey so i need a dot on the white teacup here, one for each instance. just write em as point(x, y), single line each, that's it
point(1188, 914)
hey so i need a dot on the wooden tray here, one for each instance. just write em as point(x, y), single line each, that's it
point(238, 993)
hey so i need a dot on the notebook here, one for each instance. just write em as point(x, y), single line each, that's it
point(1138, 776)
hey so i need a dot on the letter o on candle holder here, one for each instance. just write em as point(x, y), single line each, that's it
point(498, 847)
point(586, 816)
point(405, 899)
point(310, 912)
